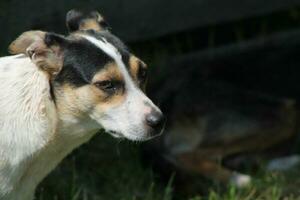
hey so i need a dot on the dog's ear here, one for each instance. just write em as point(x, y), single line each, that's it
point(44, 49)
point(77, 20)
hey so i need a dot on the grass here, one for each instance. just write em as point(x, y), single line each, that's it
point(106, 169)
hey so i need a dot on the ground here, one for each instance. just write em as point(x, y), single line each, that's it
point(106, 168)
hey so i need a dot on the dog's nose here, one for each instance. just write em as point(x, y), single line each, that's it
point(156, 120)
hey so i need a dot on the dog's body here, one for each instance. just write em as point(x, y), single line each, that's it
point(34, 137)
point(25, 126)
point(60, 94)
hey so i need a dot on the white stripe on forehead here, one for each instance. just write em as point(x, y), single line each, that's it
point(110, 50)
point(136, 104)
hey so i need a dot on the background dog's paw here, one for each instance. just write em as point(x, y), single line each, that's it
point(240, 180)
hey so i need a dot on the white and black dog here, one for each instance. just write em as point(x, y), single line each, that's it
point(58, 91)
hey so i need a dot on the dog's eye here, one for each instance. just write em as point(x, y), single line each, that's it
point(142, 74)
point(108, 86)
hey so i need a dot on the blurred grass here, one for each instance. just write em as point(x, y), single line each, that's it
point(107, 169)
point(104, 169)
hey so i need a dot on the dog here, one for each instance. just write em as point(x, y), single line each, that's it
point(218, 122)
point(58, 91)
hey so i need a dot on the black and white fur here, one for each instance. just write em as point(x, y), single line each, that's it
point(58, 91)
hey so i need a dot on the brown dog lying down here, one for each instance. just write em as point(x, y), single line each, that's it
point(217, 121)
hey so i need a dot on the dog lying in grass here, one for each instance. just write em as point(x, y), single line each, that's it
point(218, 121)
point(58, 91)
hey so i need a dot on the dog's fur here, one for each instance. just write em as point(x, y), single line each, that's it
point(58, 91)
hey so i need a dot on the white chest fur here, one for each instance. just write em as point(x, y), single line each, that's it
point(30, 145)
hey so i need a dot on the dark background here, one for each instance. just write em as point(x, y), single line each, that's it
point(210, 33)
point(249, 44)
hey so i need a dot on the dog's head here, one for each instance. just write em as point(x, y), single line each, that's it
point(95, 76)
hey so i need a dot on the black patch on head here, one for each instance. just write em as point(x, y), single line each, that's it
point(115, 41)
point(82, 59)
point(53, 38)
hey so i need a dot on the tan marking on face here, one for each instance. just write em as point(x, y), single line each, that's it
point(109, 72)
point(134, 65)
point(90, 24)
point(103, 104)
point(68, 103)
point(80, 101)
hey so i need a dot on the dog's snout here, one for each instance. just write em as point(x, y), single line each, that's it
point(155, 120)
